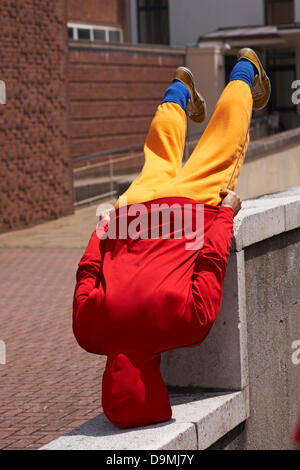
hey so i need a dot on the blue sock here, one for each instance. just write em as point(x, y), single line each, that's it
point(177, 93)
point(244, 70)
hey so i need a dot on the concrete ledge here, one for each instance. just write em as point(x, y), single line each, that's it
point(221, 361)
point(260, 218)
point(126, 48)
point(273, 142)
point(198, 421)
point(224, 354)
point(266, 216)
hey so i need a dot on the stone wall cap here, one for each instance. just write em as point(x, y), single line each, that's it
point(266, 216)
point(127, 47)
point(273, 143)
point(198, 421)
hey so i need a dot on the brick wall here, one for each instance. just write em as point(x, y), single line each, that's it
point(35, 165)
point(114, 91)
point(106, 12)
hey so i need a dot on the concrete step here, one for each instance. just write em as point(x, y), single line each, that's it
point(198, 421)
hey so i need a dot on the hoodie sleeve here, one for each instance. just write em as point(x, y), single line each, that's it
point(210, 268)
point(89, 268)
point(86, 298)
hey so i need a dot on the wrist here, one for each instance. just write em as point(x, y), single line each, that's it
point(229, 209)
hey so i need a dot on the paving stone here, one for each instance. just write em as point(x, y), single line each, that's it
point(46, 373)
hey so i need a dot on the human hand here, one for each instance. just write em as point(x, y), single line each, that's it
point(230, 199)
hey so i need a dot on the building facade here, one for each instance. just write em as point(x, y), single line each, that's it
point(83, 78)
point(35, 163)
point(98, 20)
point(181, 23)
point(114, 85)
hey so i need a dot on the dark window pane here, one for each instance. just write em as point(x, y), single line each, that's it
point(83, 34)
point(70, 33)
point(282, 92)
point(153, 21)
point(230, 62)
point(281, 66)
point(114, 36)
point(99, 34)
point(152, 4)
point(279, 11)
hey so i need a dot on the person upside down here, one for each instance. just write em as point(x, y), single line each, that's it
point(138, 296)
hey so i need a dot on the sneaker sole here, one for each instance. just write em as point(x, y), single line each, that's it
point(199, 112)
point(249, 54)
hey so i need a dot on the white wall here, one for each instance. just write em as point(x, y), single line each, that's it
point(190, 18)
point(297, 11)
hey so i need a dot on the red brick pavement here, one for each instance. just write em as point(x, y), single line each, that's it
point(49, 385)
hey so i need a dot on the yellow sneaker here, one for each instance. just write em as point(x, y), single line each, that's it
point(261, 88)
point(196, 108)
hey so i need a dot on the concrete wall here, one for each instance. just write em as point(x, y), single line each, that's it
point(272, 170)
point(251, 341)
point(273, 323)
point(188, 20)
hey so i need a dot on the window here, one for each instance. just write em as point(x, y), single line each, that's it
point(153, 21)
point(279, 12)
point(71, 33)
point(114, 36)
point(83, 32)
point(281, 66)
point(99, 35)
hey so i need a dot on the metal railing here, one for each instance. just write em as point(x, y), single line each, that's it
point(115, 168)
